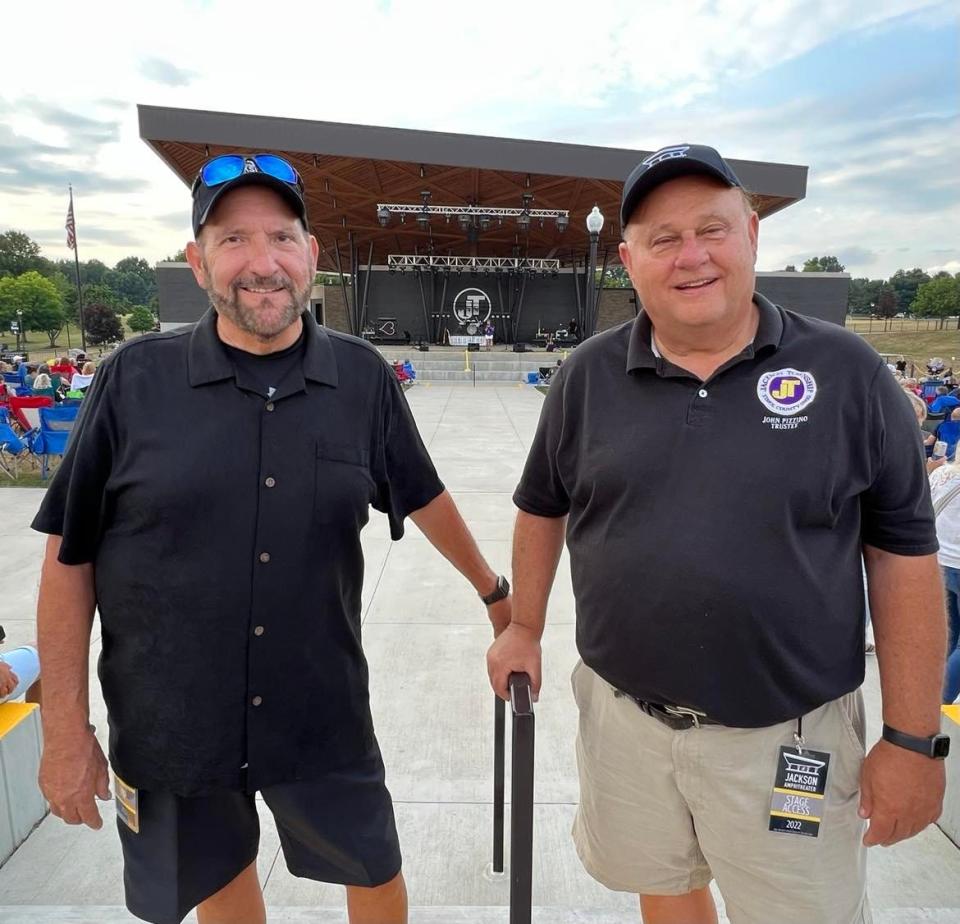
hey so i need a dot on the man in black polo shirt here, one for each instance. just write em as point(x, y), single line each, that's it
point(717, 467)
point(210, 505)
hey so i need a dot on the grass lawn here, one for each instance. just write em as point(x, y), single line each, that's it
point(37, 343)
point(28, 479)
point(919, 347)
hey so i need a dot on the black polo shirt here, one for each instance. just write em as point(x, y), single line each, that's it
point(224, 529)
point(715, 527)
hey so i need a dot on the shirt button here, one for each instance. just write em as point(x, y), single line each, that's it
point(269, 405)
point(264, 557)
point(257, 700)
point(702, 393)
point(270, 482)
point(258, 630)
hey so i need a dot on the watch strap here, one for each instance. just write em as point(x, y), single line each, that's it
point(498, 593)
point(935, 746)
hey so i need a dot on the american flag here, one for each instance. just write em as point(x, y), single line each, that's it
point(71, 226)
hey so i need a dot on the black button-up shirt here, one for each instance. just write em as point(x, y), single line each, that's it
point(224, 530)
point(715, 527)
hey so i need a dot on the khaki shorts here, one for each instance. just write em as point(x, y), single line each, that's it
point(663, 812)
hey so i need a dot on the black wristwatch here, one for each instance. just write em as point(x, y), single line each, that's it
point(936, 746)
point(498, 592)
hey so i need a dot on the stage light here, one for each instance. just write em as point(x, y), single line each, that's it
point(484, 222)
point(424, 221)
point(562, 222)
point(523, 221)
point(383, 216)
point(464, 221)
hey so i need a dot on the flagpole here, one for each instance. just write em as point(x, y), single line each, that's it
point(76, 257)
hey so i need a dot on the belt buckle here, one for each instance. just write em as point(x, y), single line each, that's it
point(685, 712)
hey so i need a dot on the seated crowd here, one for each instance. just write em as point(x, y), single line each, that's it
point(58, 379)
point(941, 409)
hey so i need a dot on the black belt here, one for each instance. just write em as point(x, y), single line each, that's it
point(679, 718)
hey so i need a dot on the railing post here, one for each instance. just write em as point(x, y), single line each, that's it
point(521, 800)
point(521, 796)
point(499, 734)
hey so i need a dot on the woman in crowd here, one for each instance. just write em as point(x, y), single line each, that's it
point(948, 431)
point(43, 387)
point(83, 378)
point(63, 367)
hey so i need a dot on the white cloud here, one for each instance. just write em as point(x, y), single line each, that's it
point(519, 69)
point(951, 266)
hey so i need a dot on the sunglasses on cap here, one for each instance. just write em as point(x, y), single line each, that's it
point(227, 167)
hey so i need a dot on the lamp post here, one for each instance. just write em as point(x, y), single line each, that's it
point(594, 227)
point(19, 327)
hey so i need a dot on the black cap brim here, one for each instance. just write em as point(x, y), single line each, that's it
point(643, 179)
point(207, 197)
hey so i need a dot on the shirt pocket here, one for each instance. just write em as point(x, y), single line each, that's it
point(343, 485)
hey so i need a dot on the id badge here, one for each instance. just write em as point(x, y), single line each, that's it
point(796, 806)
point(128, 804)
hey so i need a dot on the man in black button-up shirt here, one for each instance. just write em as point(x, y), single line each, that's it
point(210, 505)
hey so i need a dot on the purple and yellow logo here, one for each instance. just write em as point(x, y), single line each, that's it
point(786, 391)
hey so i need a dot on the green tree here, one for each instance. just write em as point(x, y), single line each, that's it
point(131, 288)
point(102, 325)
point(905, 283)
point(94, 272)
point(790, 268)
point(141, 319)
point(38, 302)
point(19, 254)
point(92, 294)
point(938, 298)
point(862, 296)
point(179, 257)
point(8, 302)
point(616, 278)
point(136, 265)
point(823, 265)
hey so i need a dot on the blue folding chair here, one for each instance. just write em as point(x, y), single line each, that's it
point(12, 447)
point(56, 424)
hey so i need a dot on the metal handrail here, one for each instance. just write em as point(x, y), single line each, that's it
point(521, 795)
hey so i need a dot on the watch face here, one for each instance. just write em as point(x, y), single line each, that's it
point(941, 746)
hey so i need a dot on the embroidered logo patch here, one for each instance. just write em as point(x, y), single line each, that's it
point(786, 391)
point(676, 150)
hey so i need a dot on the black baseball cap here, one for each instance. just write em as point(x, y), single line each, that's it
point(220, 175)
point(667, 164)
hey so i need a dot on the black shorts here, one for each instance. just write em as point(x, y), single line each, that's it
point(338, 828)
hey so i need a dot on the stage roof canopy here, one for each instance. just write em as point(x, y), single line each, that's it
point(349, 169)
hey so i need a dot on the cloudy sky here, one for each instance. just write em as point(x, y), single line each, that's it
point(868, 99)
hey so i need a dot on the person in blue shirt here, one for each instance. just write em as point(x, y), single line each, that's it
point(944, 401)
point(948, 431)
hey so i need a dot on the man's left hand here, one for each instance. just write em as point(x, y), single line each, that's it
point(901, 792)
point(499, 614)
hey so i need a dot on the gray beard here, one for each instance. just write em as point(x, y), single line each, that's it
point(249, 318)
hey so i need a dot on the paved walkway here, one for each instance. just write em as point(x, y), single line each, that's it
point(425, 635)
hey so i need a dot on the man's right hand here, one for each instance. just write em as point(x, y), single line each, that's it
point(73, 771)
point(516, 649)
